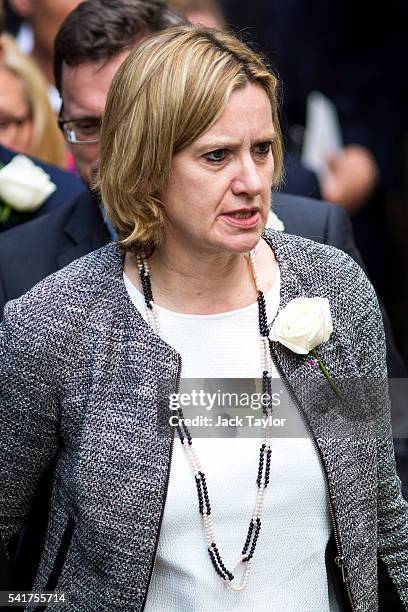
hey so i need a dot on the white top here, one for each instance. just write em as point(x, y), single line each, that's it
point(288, 569)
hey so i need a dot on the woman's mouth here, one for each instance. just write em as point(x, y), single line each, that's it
point(242, 218)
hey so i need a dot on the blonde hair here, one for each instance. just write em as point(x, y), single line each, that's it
point(47, 142)
point(168, 92)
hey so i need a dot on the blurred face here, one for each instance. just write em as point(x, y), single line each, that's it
point(15, 120)
point(84, 92)
point(203, 18)
point(218, 198)
point(46, 17)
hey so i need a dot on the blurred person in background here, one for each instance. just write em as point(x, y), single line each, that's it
point(30, 185)
point(90, 46)
point(41, 20)
point(205, 12)
point(27, 122)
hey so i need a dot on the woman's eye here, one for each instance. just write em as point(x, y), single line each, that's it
point(263, 148)
point(216, 156)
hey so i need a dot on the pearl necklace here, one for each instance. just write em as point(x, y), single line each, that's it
point(265, 452)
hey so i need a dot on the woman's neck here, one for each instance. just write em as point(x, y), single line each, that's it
point(205, 285)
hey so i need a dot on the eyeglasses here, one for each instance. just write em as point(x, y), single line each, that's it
point(9, 126)
point(81, 131)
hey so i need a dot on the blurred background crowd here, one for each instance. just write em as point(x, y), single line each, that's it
point(344, 99)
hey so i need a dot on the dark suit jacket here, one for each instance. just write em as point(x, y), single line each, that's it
point(68, 187)
point(35, 249)
point(47, 244)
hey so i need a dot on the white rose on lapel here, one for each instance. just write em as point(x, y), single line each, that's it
point(274, 222)
point(23, 185)
point(303, 324)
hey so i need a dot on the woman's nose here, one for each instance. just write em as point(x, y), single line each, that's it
point(248, 179)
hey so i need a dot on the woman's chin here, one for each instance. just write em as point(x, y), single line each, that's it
point(242, 244)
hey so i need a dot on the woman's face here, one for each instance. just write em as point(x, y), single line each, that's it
point(219, 195)
point(15, 121)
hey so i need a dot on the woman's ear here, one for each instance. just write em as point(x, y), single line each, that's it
point(24, 8)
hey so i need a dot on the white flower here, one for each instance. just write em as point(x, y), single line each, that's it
point(303, 324)
point(274, 222)
point(23, 185)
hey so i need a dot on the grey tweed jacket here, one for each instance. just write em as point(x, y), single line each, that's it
point(79, 368)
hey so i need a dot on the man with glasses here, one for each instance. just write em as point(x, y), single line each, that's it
point(81, 131)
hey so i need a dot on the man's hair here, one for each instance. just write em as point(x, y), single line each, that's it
point(168, 92)
point(98, 30)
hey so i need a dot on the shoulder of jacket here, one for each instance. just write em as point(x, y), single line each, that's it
point(304, 251)
point(63, 299)
point(322, 266)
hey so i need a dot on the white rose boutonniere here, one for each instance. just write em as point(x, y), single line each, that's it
point(302, 325)
point(24, 187)
point(274, 222)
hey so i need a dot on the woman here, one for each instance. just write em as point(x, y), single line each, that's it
point(27, 121)
point(190, 149)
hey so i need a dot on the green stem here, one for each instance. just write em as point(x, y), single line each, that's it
point(326, 373)
point(5, 212)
